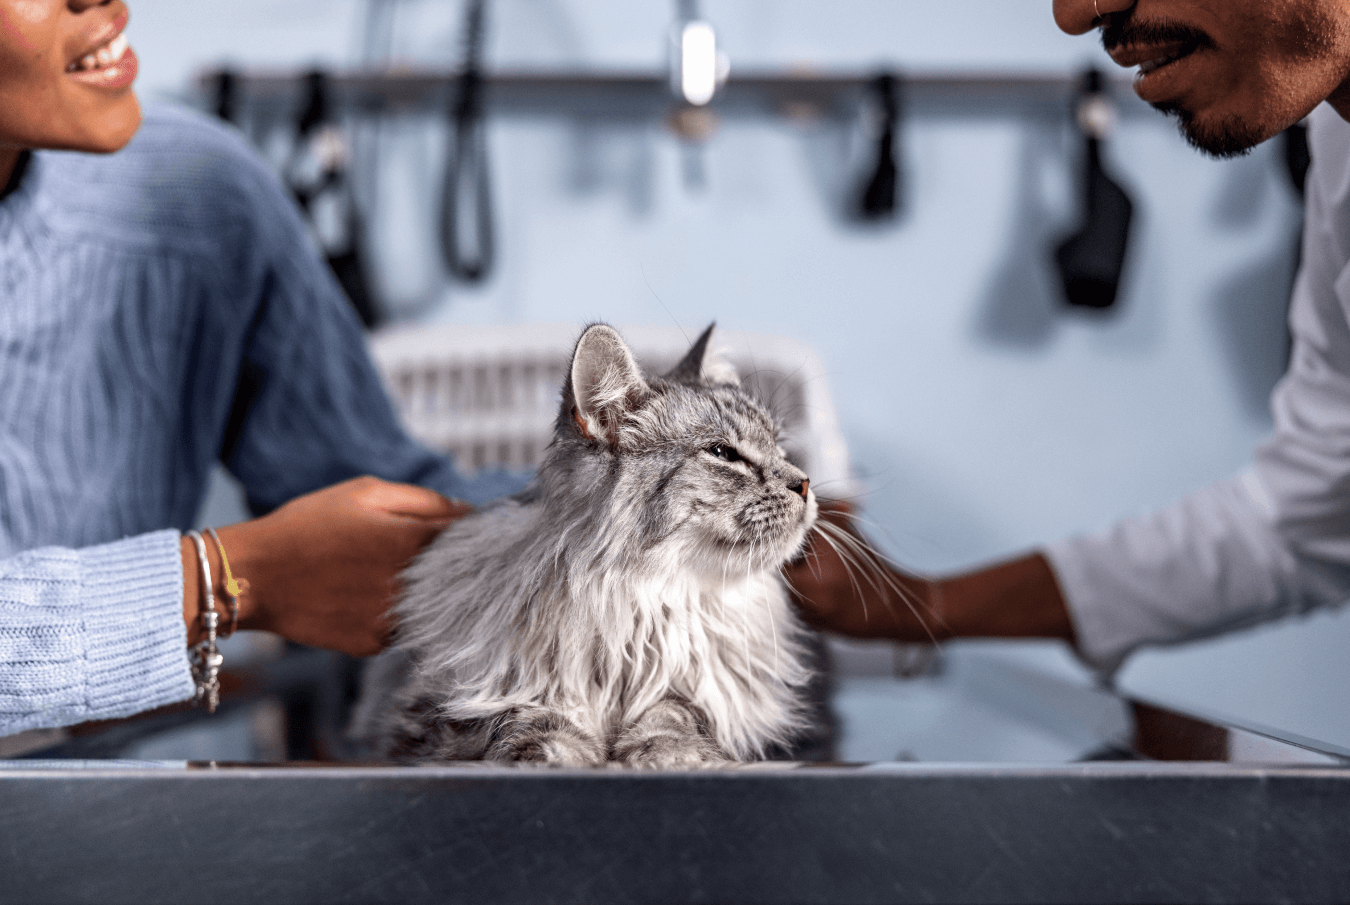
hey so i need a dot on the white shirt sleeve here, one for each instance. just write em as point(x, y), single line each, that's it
point(1276, 539)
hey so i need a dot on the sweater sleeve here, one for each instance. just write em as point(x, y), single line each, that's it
point(1276, 539)
point(91, 634)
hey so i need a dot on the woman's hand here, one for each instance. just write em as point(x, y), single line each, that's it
point(323, 569)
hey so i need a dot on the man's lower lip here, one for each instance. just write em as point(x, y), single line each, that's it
point(119, 75)
point(1157, 85)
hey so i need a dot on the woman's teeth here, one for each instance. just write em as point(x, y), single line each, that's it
point(102, 58)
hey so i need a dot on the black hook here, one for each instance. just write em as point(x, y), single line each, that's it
point(1091, 259)
point(315, 112)
point(880, 195)
point(226, 103)
point(345, 261)
point(466, 190)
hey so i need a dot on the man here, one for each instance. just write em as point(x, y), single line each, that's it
point(1272, 541)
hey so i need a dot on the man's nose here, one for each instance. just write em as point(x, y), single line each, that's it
point(1080, 16)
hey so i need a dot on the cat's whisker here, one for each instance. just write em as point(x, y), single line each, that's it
point(857, 517)
point(846, 558)
point(881, 564)
point(856, 554)
point(853, 553)
point(872, 563)
point(812, 559)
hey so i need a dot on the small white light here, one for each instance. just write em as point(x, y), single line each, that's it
point(1096, 116)
point(698, 63)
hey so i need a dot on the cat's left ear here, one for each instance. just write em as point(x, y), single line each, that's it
point(698, 366)
point(606, 383)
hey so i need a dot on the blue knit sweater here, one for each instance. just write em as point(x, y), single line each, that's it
point(161, 309)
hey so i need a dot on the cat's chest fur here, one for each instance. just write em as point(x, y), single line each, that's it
point(601, 646)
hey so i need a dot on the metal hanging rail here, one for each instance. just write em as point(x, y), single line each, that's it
point(628, 93)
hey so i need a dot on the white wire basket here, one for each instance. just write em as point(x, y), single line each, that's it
point(489, 395)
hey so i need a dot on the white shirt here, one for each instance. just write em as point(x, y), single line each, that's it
point(1276, 539)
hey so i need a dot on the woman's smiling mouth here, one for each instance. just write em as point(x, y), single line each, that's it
point(105, 56)
point(108, 60)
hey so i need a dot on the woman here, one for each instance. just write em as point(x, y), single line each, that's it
point(161, 309)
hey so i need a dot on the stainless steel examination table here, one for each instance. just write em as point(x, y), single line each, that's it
point(1272, 825)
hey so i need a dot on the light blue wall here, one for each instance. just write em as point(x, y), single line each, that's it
point(983, 417)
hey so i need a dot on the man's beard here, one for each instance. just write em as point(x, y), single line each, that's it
point(1230, 137)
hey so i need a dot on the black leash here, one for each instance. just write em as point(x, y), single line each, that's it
point(466, 204)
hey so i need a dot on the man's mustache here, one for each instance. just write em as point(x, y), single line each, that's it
point(1122, 29)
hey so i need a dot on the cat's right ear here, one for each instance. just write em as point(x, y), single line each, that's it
point(690, 368)
point(606, 383)
point(698, 366)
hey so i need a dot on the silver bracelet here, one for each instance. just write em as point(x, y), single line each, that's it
point(233, 587)
point(205, 657)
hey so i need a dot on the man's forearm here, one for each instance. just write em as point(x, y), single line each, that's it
point(1019, 598)
point(844, 585)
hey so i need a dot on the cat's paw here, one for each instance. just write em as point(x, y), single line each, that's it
point(546, 738)
point(557, 749)
point(668, 752)
point(672, 735)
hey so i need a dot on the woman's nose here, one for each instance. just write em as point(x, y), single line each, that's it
point(1080, 16)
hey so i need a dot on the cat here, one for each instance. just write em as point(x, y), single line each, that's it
point(627, 605)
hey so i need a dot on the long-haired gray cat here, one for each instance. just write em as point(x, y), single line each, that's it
point(627, 605)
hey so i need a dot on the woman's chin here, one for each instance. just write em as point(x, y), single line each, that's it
point(101, 131)
point(119, 128)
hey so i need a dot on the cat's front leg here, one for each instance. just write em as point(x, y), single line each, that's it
point(672, 734)
point(540, 735)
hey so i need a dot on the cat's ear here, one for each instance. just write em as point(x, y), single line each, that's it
point(690, 368)
point(697, 365)
point(605, 383)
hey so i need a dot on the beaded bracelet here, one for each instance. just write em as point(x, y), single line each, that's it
point(205, 657)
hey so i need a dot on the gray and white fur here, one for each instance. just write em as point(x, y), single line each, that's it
point(627, 605)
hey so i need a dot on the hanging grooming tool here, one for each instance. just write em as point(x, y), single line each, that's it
point(466, 204)
point(1091, 260)
point(226, 102)
point(318, 155)
point(1297, 158)
point(880, 195)
point(317, 169)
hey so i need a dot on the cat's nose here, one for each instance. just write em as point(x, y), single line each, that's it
point(800, 487)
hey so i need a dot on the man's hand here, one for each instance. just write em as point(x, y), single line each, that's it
point(843, 585)
point(323, 569)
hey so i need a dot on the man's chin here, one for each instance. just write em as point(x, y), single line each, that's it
point(1230, 137)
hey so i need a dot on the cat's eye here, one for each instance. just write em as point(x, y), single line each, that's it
point(724, 452)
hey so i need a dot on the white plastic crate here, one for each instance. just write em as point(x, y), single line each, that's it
point(489, 394)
